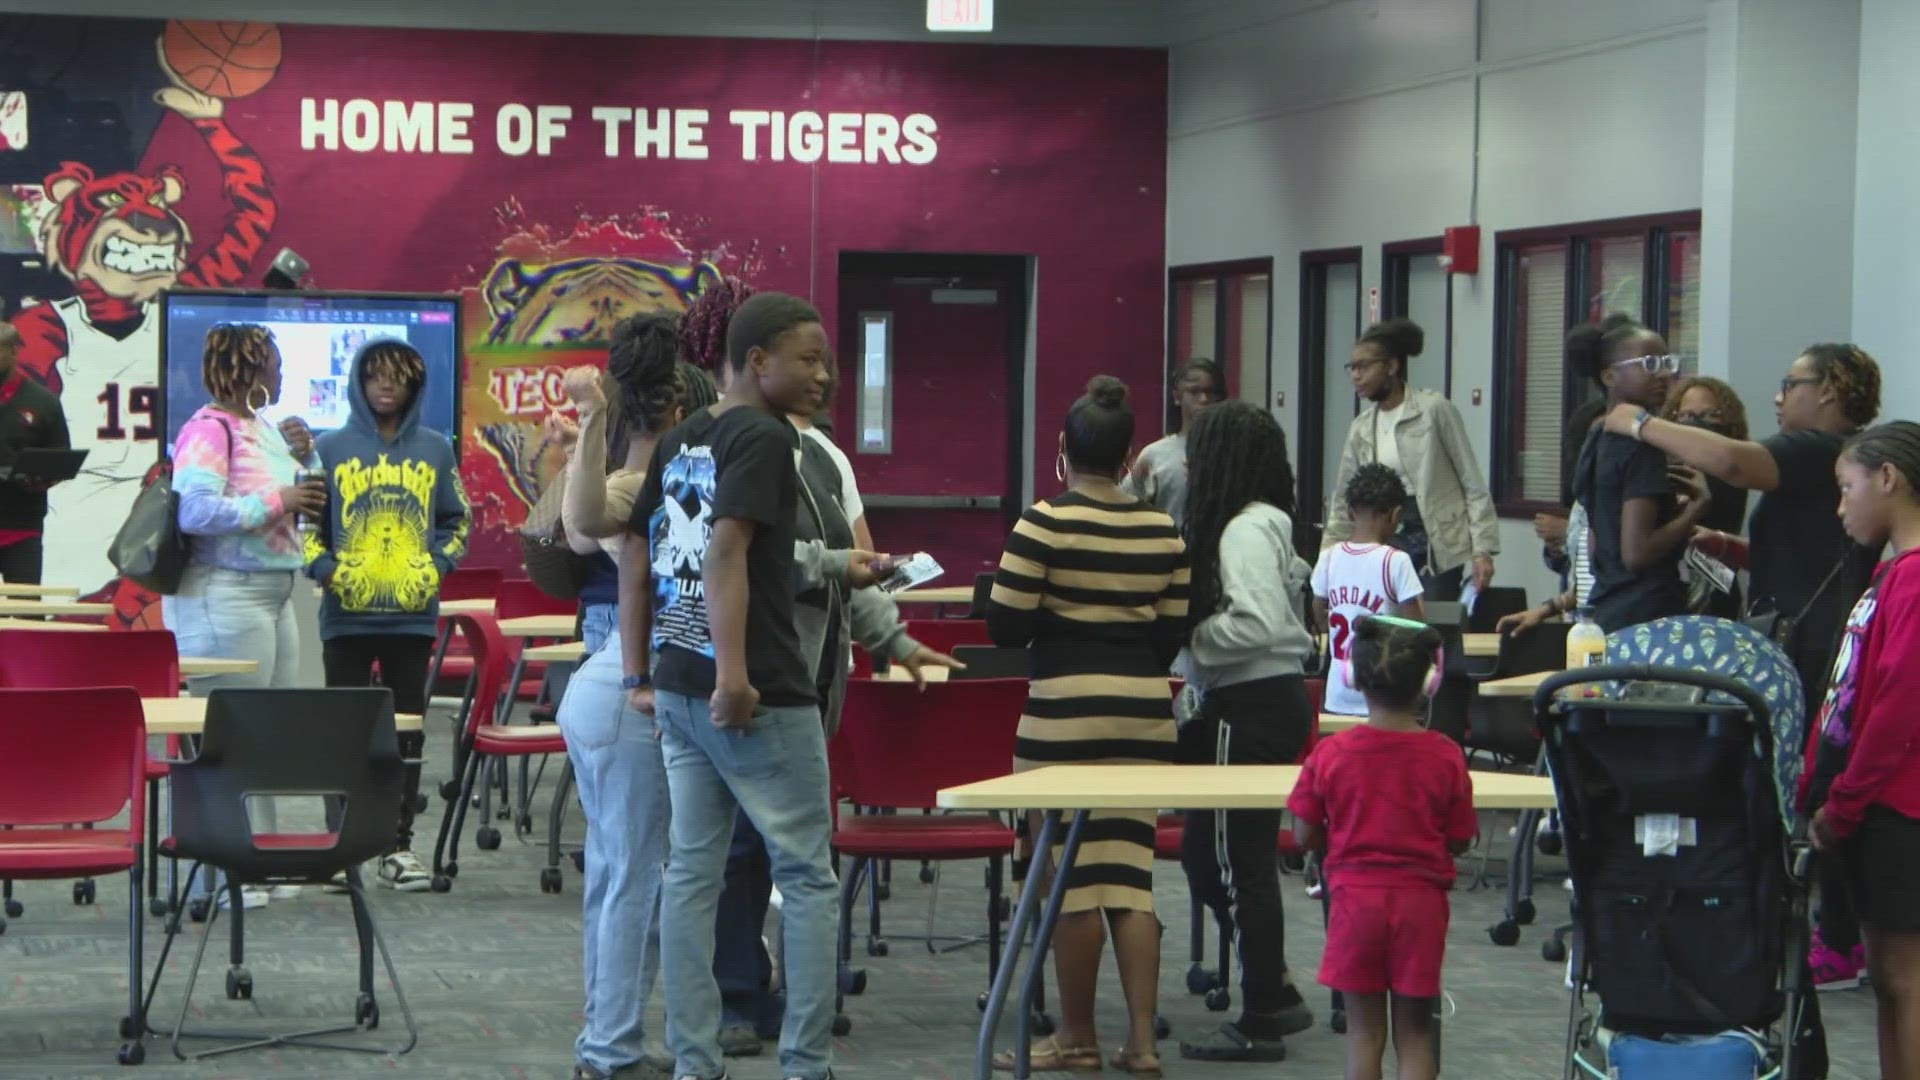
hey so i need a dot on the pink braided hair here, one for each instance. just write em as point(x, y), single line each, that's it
point(703, 329)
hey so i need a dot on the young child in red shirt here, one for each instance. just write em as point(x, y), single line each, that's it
point(1865, 778)
point(1393, 804)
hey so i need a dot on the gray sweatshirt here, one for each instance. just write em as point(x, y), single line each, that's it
point(1255, 632)
point(1159, 476)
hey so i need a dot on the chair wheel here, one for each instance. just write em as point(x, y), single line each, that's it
point(927, 874)
point(450, 790)
point(1042, 1025)
point(159, 908)
point(883, 890)
point(487, 839)
point(1219, 999)
point(129, 1029)
point(842, 1023)
point(83, 891)
point(1293, 864)
point(419, 803)
point(132, 1053)
point(1553, 951)
point(1523, 913)
point(1200, 980)
point(441, 883)
point(980, 1002)
point(854, 981)
point(197, 908)
point(366, 1011)
point(239, 984)
point(451, 870)
point(549, 879)
point(523, 824)
point(1547, 842)
point(1161, 1029)
point(15, 909)
point(877, 947)
point(1003, 909)
point(1505, 933)
point(580, 862)
point(1338, 1022)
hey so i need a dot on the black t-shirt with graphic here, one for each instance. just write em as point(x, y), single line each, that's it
point(1613, 469)
point(1796, 539)
point(739, 465)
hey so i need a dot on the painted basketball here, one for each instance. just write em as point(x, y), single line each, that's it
point(222, 59)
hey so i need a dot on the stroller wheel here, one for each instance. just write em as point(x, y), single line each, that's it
point(1505, 933)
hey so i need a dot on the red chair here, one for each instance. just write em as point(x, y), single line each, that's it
point(450, 657)
point(482, 742)
point(1168, 836)
point(146, 660)
point(78, 757)
point(474, 583)
point(946, 635)
point(897, 748)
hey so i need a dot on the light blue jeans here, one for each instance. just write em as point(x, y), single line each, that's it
point(776, 774)
point(623, 792)
point(237, 615)
point(598, 622)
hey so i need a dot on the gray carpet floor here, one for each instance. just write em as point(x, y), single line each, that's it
point(492, 971)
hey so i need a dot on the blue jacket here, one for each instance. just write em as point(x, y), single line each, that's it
point(396, 523)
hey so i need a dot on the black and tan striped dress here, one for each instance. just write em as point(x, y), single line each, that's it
point(1096, 590)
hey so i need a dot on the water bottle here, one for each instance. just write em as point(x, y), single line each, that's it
point(307, 523)
point(1586, 645)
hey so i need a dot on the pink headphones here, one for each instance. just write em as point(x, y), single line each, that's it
point(1434, 673)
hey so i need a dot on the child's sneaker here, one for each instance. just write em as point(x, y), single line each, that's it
point(402, 871)
point(1834, 970)
point(251, 897)
point(284, 892)
point(337, 884)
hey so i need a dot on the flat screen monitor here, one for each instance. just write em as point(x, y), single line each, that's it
point(318, 334)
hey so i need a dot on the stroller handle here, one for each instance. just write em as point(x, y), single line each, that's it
point(1705, 680)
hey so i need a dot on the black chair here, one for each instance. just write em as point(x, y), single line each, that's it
point(991, 662)
point(335, 745)
point(1504, 729)
point(982, 592)
point(1496, 602)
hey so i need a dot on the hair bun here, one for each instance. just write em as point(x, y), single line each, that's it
point(1107, 392)
point(1403, 337)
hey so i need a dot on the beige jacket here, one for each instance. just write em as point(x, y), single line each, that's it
point(1441, 469)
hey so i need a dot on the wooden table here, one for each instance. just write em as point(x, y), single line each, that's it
point(1084, 788)
point(940, 597)
point(188, 716)
point(539, 626)
point(36, 624)
point(1332, 722)
point(8, 589)
point(560, 652)
point(214, 665)
point(1480, 646)
point(1515, 686)
point(29, 609)
point(477, 606)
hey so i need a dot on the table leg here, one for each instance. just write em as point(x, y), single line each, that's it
point(1023, 915)
point(442, 641)
point(1043, 937)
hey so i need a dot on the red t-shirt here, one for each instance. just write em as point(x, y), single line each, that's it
point(1391, 801)
point(1873, 701)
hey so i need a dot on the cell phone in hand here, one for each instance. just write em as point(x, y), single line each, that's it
point(906, 573)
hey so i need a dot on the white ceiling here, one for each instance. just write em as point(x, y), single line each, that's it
point(1051, 22)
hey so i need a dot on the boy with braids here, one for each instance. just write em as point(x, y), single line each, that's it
point(395, 527)
point(1364, 576)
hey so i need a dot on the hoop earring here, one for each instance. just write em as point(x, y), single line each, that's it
point(1060, 466)
point(266, 398)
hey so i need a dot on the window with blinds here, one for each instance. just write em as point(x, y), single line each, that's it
point(1551, 279)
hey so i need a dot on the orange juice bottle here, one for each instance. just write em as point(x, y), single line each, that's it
point(1586, 645)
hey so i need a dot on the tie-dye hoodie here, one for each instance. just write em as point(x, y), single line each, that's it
point(228, 472)
point(396, 523)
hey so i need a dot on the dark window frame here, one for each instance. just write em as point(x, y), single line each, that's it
point(1218, 273)
point(1396, 271)
point(1509, 374)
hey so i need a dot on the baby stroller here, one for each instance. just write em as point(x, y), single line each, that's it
point(1689, 866)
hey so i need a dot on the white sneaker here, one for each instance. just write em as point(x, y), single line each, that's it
point(251, 897)
point(284, 892)
point(402, 871)
point(336, 884)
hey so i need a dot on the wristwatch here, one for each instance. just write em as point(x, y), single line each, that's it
point(1640, 424)
point(635, 682)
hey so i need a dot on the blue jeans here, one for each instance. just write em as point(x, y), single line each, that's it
point(776, 774)
point(598, 622)
point(623, 794)
point(740, 961)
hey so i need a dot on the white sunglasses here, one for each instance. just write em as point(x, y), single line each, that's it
point(1653, 365)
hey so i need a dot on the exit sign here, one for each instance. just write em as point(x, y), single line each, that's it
point(967, 16)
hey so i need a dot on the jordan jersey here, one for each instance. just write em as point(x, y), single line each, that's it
point(1357, 580)
point(108, 392)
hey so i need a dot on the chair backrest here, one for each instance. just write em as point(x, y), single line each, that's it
point(900, 745)
point(146, 660)
point(992, 662)
point(982, 592)
point(489, 651)
point(338, 744)
point(946, 635)
point(475, 583)
point(72, 756)
point(1495, 603)
point(518, 598)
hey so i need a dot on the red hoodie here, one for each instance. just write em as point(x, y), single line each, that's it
point(1871, 716)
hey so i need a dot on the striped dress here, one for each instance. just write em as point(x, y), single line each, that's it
point(1095, 588)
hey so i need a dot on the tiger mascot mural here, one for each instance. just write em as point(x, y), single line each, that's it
point(120, 240)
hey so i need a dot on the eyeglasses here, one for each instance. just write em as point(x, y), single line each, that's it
point(1653, 365)
point(1707, 416)
point(1787, 384)
point(1354, 367)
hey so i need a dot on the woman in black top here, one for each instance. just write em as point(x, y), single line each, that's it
point(1642, 513)
point(1703, 402)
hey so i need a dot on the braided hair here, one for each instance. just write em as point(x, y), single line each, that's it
point(1895, 443)
point(643, 362)
point(1391, 659)
point(1852, 375)
point(703, 328)
point(1375, 487)
point(235, 361)
point(394, 361)
point(1236, 455)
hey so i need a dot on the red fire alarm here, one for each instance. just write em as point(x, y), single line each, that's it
point(1460, 250)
